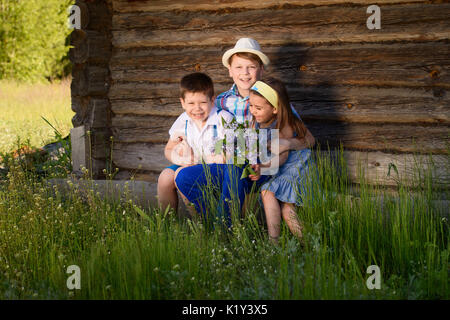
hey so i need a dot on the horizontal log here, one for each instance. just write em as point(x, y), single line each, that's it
point(142, 193)
point(137, 175)
point(311, 25)
point(164, 91)
point(140, 90)
point(309, 16)
point(363, 112)
point(140, 156)
point(271, 36)
point(371, 105)
point(208, 5)
point(154, 107)
point(149, 129)
point(376, 64)
point(356, 136)
point(334, 103)
point(375, 165)
point(389, 137)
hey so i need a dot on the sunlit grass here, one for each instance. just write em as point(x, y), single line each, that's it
point(23, 105)
point(126, 252)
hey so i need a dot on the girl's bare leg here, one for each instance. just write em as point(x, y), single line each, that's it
point(290, 216)
point(167, 191)
point(273, 214)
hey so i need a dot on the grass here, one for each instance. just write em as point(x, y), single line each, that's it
point(21, 109)
point(129, 252)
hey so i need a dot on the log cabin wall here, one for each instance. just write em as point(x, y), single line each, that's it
point(382, 93)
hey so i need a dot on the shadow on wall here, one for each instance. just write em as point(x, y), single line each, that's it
point(312, 96)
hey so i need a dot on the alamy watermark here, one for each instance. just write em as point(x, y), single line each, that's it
point(74, 280)
point(74, 21)
point(374, 281)
point(374, 21)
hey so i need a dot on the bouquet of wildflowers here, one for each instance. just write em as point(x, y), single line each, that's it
point(246, 141)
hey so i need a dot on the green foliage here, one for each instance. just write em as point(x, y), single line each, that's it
point(33, 37)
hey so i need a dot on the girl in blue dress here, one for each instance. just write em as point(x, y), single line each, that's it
point(270, 107)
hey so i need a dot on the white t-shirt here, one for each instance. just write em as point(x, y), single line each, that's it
point(201, 141)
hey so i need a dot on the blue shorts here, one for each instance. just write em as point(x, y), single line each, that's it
point(173, 167)
point(197, 182)
point(225, 179)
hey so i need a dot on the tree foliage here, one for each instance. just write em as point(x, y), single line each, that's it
point(34, 39)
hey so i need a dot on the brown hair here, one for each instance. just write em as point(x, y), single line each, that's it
point(247, 55)
point(197, 82)
point(285, 116)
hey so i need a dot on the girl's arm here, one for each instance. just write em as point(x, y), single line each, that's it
point(295, 143)
point(281, 158)
point(285, 135)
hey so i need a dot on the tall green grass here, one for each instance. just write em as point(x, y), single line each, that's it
point(126, 252)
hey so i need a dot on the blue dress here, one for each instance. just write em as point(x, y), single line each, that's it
point(290, 183)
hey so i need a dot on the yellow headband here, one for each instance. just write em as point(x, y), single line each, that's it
point(267, 92)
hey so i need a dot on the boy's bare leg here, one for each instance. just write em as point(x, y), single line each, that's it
point(291, 218)
point(167, 191)
point(273, 214)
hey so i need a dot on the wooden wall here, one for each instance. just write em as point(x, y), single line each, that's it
point(382, 93)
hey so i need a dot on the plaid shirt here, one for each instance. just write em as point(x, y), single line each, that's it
point(232, 102)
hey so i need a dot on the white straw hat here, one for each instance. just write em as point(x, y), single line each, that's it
point(245, 45)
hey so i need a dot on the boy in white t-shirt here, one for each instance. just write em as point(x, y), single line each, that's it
point(193, 135)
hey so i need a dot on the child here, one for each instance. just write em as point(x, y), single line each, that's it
point(270, 107)
point(193, 134)
point(245, 63)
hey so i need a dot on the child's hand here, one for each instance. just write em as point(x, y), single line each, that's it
point(257, 170)
point(183, 154)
